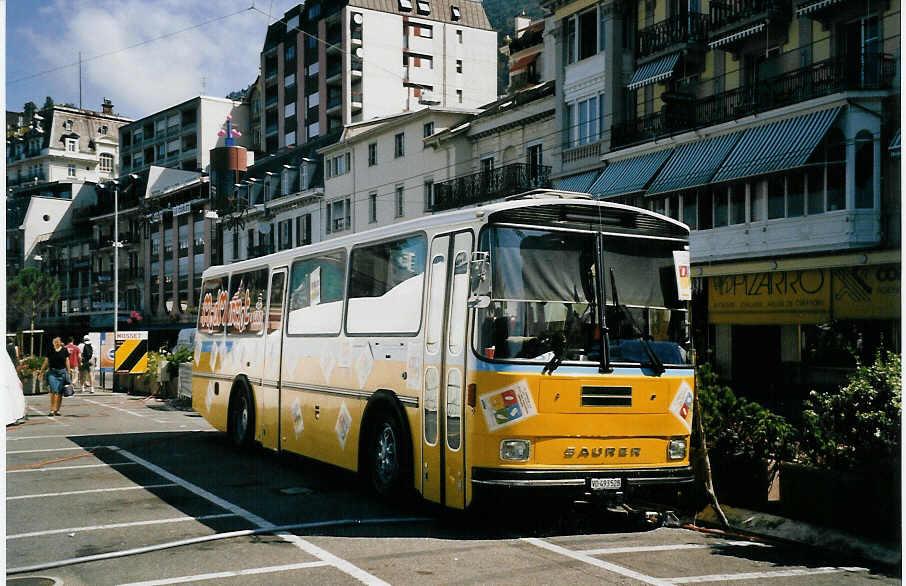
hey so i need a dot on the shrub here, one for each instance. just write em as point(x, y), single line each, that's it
point(28, 366)
point(736, 427)
point(858, 425)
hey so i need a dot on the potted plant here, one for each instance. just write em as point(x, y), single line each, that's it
point(27, 369)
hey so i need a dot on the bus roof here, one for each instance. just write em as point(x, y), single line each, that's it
point(535, 198)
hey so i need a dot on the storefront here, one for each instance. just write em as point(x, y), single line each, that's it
point(801, 326)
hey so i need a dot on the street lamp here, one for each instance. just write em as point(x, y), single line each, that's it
point(116, 260)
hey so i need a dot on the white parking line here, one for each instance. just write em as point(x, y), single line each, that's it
point(51, 419)
point(119, 525)
point(55, 468)
point(86, 449)
point(322, 554)
point(130, 412)
point(75, 435)
point(760, 575)
point(216, 575)
point(72, 492)
point(679, 546)
point(596, 562)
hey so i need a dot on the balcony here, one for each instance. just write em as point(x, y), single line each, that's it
point(730, 14)
point(486, 186)
point(333, 103)
point(673, 34)
point(871, 72)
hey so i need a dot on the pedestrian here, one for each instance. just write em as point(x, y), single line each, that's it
point(12, 349)
point(55, 362)
point(86, 380)
point(75, 360)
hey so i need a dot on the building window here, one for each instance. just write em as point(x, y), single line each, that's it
point(429, 194)
point(102, 130)
point(588, 33)
point(459, 36)
point(289, 110)
point(423, 6)
point(455, 13)
point(313, 130)
point(399, 202)
point(372, 154)
point(303, 229)
point(105, 163)
point(459, 66)
point(173, 148)
point(399, 145)
point(72, 145)
point(459, 96)
point(291, 138)
point(285, 234)
point(338, 216)
point(70, 170)
point(372, 207)
point(428, 129)
point(582, 122)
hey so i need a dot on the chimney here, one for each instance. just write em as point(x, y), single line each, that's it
point(107, 107)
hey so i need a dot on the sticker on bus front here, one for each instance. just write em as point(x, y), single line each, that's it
point(681, 406)
point(209, 396)
point(509, 405)
point(364, 363)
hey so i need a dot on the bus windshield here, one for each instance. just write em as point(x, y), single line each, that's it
point(543, 298)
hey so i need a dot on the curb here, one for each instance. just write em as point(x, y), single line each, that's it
point(801, 532)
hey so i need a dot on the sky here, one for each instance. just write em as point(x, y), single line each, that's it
point(171, 65)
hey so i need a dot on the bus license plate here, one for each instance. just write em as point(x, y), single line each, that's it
point(606, 483)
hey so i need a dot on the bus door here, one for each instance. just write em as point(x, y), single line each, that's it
point(443, 450)
point(273, 349)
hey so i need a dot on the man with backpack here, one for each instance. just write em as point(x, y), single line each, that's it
point(86, 365)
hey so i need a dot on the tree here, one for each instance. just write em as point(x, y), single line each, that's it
point(29, 109)
point(48, 103)
point(31, 292)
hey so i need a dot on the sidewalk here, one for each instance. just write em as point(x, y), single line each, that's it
point(772, 526)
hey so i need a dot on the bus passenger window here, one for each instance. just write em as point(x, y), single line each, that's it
point(385, 287)
point(316, 294)
point(246, 307)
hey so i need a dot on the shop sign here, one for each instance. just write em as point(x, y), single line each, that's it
point(183, 208)
point(771, 298)
point(871, 292)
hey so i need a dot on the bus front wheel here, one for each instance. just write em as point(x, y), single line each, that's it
point(386, 456)
point(242, 419)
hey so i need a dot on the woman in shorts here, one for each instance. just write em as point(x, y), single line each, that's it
point(55, 362)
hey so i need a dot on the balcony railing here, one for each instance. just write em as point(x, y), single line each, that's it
point(868, 72)
point(675, 31)
point(489, 185)
point(730, 13)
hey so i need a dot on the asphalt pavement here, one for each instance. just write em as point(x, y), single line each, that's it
point(122, 490)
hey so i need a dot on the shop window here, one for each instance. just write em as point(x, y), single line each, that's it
point(720, 207)
point(738, 203)
point(690, 210)
point(795, 197)
point(775, 198)
point(864, 170)
point(814, 177)
point(705, 209)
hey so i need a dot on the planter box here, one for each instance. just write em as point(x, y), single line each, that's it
point(866, 502)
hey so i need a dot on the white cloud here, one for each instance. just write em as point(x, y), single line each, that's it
point(153, 76)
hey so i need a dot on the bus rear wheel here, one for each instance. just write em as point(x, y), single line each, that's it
point(241, 419)
point(387, 457)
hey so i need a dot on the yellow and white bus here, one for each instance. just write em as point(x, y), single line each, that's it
point(540, 342)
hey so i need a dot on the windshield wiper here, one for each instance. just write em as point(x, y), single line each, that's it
point(654, 362)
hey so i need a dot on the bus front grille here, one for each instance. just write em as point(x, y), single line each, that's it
point(607, 396)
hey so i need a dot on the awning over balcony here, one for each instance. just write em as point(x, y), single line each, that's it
point(653, 72)
point(806, 8)
point(629, 175)
point(694, 164)
point(777, 146)
point(735, 36)
point(580, 182)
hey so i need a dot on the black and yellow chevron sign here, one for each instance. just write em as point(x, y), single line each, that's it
point(131, 356)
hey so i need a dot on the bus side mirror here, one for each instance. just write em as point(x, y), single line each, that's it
point(480, 280)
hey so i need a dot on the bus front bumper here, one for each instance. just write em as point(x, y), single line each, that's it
point(603, 482)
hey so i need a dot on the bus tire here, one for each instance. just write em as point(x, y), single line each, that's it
point(241, 422)
point(386, 455)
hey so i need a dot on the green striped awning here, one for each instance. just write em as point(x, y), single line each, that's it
point(894, 147)
point(580, 182)
point(629, 175)
point(693, 164)
point(653, 72)
point(777, 146)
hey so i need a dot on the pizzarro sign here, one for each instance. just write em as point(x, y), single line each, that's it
point(805, 296)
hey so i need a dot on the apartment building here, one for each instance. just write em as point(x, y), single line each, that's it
point(770, 127)
point(182, 136)
point(327, 64)
point(525, 54)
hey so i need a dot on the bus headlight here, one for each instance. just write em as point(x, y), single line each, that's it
point(676, 449)
point(515, 450)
